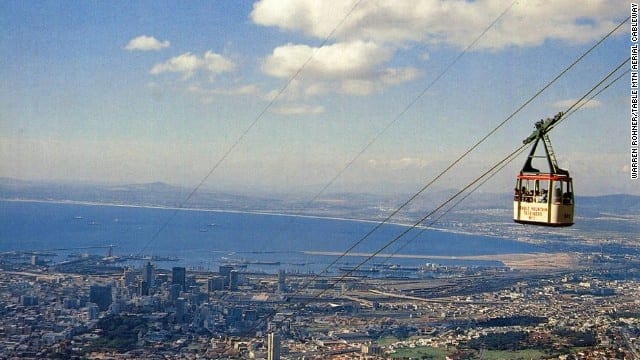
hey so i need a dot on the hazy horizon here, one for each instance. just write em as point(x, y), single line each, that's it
point(159, 92)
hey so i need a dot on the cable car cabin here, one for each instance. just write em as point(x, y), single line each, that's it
point(543, 198)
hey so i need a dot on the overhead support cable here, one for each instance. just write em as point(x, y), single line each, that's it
point(246, 131)
point(486, 175)
point(570, 111)
point(472, 148)
point(474, 185)
point(398, 117)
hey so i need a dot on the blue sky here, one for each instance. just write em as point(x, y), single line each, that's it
point(131, 92)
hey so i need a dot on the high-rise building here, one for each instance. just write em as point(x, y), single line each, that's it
point(273, 346)
point(92, 311)
point(282, 281)
point(142, 289)
point(129, 277)
point(180, 309)
point(179, 276)
point(174, 292)
point(148, 278)
point(233, 280)
point(215, 283)
point(225, 270)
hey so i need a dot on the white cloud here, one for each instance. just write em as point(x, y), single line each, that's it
point(362, 45)
point(188, 63)
point(399, 164)
point(207, 96)
point(453, 22)
point(239, 90)
point(313, 17)
point(299, 109)
point(351, 59)
point(146, 43)
point(352, 68)
point(395, 76)
point(357, 87)
point(217, 63)
point(565, 104)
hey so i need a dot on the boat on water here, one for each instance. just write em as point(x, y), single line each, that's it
point(261, 262)
point(355, 270)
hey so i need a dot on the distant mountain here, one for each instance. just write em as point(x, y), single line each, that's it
point(615, 204)
point(353, 205)
point(147, 194)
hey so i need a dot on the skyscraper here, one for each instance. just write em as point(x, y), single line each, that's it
point(180, 309)
point(273, 346)
point(233, 280)
point(92, 311)
point(215, 283)
point(179, 276)
point(225, 270)
point(282, 281)
point(147, 278)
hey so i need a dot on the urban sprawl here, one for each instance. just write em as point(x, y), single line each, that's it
point(97, 310)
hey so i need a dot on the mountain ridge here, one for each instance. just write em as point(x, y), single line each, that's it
point(163, 194)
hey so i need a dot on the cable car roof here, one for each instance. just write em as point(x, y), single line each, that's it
point(545, 176)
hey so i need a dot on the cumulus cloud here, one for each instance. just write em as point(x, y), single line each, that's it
point(207, 96)
point(333, 61)
point(299, 109)
point(250, 89)
point(353, 68)
point(453, 22)
point(187, 64)
point(146, 43)
point(395, 76)
point(565, 104)
point(398, 164)
point(361, 46)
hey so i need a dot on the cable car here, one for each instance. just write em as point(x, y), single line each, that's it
point(543, 198)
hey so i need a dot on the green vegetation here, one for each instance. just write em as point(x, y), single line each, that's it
point(120, 332)
point(427, 352)
point(512, 340)
point(521, 320)
point(387, 340)
point(421, 352)
point(521, 354)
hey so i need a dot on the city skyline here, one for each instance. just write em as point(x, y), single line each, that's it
point(144, 92)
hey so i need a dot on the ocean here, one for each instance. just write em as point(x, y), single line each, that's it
point(199, 239)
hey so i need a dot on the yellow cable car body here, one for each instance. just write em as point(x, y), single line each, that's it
point(543, 198)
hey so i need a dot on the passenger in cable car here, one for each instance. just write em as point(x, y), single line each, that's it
point(523, 194)
point(542, 198)
point(553, 188)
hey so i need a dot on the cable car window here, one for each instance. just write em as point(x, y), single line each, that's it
point(556, 195)
point(567, 197)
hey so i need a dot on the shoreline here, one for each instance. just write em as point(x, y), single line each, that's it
point(230, 211)
point(536, 260)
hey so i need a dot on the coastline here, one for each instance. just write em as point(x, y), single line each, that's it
point(229, 211)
